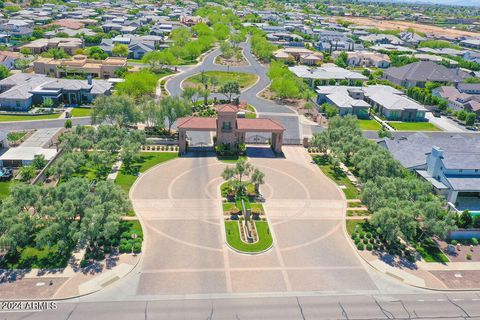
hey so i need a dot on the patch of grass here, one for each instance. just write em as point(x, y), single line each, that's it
point(81, 112)
point(250, 112)
point(31, 257)
point(414, 126)
point(10, 118)
point(369, 125)
point(131, 226)
point(233, 237)
point(125, 179)
point(245, 201)
point(228, 206)
point(338, 176)
point(5, 189)
point(244, 79)
point(15, 135)
point(355, 204)
point(351, 224)
point(257, 207)
point(430, 252)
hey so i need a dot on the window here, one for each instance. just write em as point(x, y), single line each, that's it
point(227, 126)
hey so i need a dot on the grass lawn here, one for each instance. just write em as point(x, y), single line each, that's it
point(9, 118)
point(228, 206)
point(233, 237)
point(257, 207)
point(244, 79)
point(355, 204)
point(430, 252)
point(369, 125)
point(131, 226)
point(250, 112)
point(5, 189)
point(414, 126)
point(81, 112)
point(31, 257)
point(351, 224)
point(339, 177)
point(15, 135)
point(147, 160)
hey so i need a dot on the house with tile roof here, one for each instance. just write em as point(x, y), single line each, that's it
point(21, 91)
point(417, 74)
point(230, 129)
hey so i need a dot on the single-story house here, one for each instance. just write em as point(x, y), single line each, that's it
point(21, 91)
point(325, 73)
point(416, 74)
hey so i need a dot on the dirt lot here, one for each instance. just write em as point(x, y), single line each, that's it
point(403, 25)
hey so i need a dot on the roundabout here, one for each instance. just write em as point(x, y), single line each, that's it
point(186, 251)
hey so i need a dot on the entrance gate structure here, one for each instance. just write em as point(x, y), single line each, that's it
point(230, 129)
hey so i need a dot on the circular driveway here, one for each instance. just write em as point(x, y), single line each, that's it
point(185, 253)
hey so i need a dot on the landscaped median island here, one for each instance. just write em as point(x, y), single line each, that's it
point(246, 227)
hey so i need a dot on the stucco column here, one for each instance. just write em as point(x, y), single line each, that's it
point(277, 142)
point(452, 196)
point(182, 141)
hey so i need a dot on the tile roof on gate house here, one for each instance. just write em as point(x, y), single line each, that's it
point(259, 124)
point(199, 123)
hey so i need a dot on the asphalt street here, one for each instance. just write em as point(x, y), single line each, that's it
point(40, 124)
point(275, 307)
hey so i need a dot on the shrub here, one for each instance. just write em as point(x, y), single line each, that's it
point(354, 235)
point(84, 263)
point(360, 246)
point(369, 235)
point(369, 247)
point(137, 247)
point(454, 242)
point(474, 241)
point(362, 235)
point(469, 256)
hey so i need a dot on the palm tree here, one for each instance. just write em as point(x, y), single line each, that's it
point(257, 178)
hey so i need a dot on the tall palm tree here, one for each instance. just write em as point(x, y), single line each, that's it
point(257, 178)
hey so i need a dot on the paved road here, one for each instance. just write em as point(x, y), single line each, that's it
point(39, 124)
point(185, 252)
point(421, 306)
point(265, 108)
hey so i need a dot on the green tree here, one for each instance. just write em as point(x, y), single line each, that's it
point(39, 161)
point(235, 175)
point(257, 179)
point(174, 108)
point(470, 118)
point(465, 220)
point(96, 53)
point(181, 36)
point(138, 84)
point(159, 59)
point(120, 50)
point(27, 173)
point(4, 72)
point(230, 88)
point(117, 109)
point(56, 54)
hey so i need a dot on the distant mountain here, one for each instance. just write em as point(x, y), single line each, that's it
point(468, 3)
